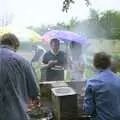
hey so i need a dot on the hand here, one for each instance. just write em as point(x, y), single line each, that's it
point(36, 103)
point(81, 69)
point(33, 104)
point(51, 63)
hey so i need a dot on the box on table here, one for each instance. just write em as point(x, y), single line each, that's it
point(64, 103)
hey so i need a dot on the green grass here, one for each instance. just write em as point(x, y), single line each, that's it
point(89, 73)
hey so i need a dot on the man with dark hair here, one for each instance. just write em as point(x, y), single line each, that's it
point(17, 81)
point(102, 94)
point(10, 40)
point(102, 60)
point(54, 62)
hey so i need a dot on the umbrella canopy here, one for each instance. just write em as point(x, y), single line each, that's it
point(24, 33)
point(65, 36)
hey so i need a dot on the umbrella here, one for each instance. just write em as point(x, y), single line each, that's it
point(20, 32)
point(66, 36)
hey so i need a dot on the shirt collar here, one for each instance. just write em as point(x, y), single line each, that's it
point(54, 53)
point(101, 70)
point(6, 46)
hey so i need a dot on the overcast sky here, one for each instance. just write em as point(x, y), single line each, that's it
point(37, 12)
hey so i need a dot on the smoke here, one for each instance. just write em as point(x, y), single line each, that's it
point(98, 42)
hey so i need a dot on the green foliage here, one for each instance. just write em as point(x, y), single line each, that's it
point(98, 25)
point(110, 22)
point(37, 70)
point(67, 3)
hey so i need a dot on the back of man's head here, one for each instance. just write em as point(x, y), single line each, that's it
point(10, 40)
point(102, 60)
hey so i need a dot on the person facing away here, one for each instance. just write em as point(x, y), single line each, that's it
point(17, 81)
point(52, 59)
point(102, 94)
point(78, 62)
point(39, 52)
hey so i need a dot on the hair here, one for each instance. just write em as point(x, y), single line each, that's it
point(102, 60)
point(75, 45)
point(10, 40)
point(54, 40)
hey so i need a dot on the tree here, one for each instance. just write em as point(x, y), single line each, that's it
point(67, 3)
point(72, 24)
point(110, 22)
point(94, 15)
point(94, 24)
point(98, 25)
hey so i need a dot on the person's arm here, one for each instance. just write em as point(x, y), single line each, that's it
point(89, 99)
point(81, 68)
point(46, 63)
point(49, 64)
point(65, 60)
point(32, 86)
point(81, 65)
point(44, 66)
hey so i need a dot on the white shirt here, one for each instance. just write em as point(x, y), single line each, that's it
point(76, 66)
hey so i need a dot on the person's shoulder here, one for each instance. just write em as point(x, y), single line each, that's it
point(13, 57)
point(20, 58)
point(46, 54)
point(95, 81)
point(62, 52)
point(114, 76)
point(17, 59)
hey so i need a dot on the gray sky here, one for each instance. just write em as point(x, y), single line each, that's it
point(37, 12)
